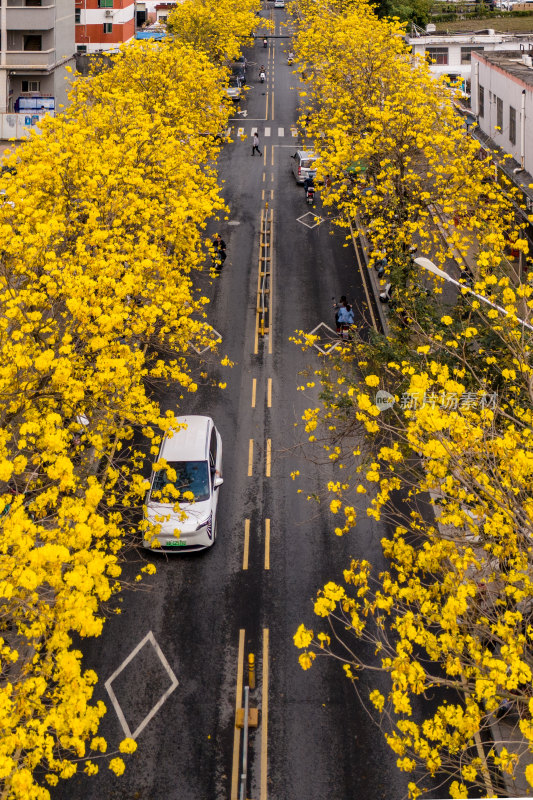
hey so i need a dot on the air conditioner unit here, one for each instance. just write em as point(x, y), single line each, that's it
point(108, 13)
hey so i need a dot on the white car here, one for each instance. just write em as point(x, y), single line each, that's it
point(303, 165)
point(193, 456)
point(234, 88)
point(279, 4)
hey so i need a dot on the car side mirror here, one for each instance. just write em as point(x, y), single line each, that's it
point(218, 481)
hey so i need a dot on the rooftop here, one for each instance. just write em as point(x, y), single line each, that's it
point(503, 24)
point(511, 61)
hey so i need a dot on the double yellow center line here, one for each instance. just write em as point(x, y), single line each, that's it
point(268, 458)
point(246, 549)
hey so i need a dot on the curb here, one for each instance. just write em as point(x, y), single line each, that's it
point(374, 281)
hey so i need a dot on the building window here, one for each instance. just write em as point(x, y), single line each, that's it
point(81, 48)
point(105, 3)
point(499, 113)
point(481, 101)
point(77, 15)
point(33, 42)
point(31, 86)
point(512, 125)
point(466, 53)
point(439, 55)
point(108, 27)
point(33, 2)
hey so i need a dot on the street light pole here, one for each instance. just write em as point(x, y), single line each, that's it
point(425, 263)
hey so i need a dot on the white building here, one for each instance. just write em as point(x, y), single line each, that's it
point(502, 100)
point(451, 53)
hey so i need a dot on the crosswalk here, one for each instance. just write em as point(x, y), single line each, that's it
point(281, 132)
point(266, 133)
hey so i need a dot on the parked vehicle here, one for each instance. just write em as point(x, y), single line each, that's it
point(234, 88)
point(193, 455)
point(386, 295)
point(302, 165)
point(279, 4)
point(238, 69)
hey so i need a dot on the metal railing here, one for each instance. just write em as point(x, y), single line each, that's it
point(244, 770)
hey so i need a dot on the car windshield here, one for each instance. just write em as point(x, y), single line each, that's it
point(307, 162)
point(191, 476)
point(234, 82)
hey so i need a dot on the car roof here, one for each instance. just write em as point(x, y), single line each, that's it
point(190, 443)
point(307, 154)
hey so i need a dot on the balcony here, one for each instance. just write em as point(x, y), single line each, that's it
point(31, 58)
point(30, 18)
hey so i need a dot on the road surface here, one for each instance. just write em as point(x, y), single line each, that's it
point(179, 650)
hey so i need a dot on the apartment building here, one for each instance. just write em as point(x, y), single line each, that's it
point(502, 100)
point(451, 53)
point(36, 44)
point(103, 24)
point(502, 103)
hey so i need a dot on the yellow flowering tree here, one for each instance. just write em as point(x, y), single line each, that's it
point(103, 229)
point(219, 29)
point(395, 153)
point(449, 432)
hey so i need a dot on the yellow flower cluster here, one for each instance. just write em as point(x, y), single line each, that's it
point(103, 235)
point(453, 608)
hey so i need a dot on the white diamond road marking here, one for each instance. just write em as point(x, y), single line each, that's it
point(313, 218)
point(214, 335)
point(281, 131)
point(240, 132)
point(329, 347)
point(267, 132)
point(116, 705)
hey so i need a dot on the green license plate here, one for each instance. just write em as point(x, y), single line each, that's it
point(177, 543)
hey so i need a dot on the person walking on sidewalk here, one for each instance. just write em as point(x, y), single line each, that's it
point(256, 144)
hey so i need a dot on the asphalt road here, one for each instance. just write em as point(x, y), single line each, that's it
point(198, 618)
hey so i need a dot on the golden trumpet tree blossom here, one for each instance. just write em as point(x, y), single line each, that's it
point(219, 29)
point(393, 149)
point(103, 230)
point(429, 426)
